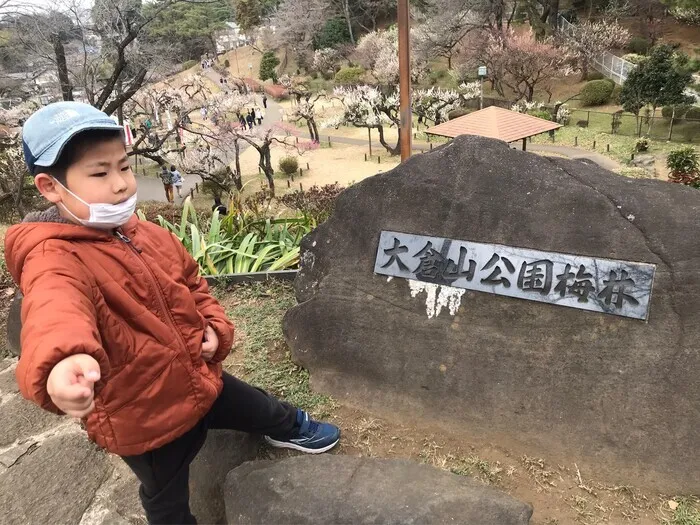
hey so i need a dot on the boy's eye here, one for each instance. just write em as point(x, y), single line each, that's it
point(101, 174)
point(126, 168)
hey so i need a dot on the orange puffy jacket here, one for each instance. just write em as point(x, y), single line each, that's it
point(136, 303)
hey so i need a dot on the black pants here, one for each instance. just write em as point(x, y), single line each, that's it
point(164, 473)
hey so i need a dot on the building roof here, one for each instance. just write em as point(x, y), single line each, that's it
point(496, 123)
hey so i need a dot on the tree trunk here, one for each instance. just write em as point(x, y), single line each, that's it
point(237, 177)
point(670, 127)
point(63, 80)
point(393, 151)
point(346, 12)
point(316, 136)
point(311, 131)
point(554, 14)
point(651, 120)
point(266, 167)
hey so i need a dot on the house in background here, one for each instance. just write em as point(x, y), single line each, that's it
point(230, 38)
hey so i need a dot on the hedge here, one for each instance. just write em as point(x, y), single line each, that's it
point(597, 92)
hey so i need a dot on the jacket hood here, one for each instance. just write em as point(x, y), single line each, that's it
point(39, 227)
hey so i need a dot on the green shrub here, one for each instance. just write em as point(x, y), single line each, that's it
point(693, 113)
point(638, 45)
point(349, 76)
point(334, 33)
point(634, 58)
point(289, 165)
point(684, 165)
point(595, 75)
point(268, 63)
point(642, 145)
point(596, 92)
point(227, 63)
point(546, 115)
point(189, 64)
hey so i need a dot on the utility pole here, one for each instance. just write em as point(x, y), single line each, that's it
point(404, 24)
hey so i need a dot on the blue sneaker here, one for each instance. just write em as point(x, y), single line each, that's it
point(309, 436)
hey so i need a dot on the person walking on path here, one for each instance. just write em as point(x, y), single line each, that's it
point(177, 179)
point(250, 120)
point(258, 116)
point(167, 179)
point(264, 100)
point(242, 122)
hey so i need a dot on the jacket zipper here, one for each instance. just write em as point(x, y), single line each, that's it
point(159, 291)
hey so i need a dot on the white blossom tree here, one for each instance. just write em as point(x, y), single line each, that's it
point(378, 53)
point(435, 104)
point(305, 107)
point(590, 39)
point(371, 108)
point(326, 62)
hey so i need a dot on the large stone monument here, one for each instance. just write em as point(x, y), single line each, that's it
point(545, 304)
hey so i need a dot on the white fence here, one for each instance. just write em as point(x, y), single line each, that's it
point(613, 67)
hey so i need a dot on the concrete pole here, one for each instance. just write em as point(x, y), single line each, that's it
point(404, 25)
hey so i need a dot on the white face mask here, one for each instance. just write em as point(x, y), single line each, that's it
point(102, 215)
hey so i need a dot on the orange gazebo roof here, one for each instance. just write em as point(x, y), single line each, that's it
point(495, 123)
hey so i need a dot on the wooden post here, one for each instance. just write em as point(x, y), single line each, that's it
point(307, 166)
point(192, 193)
point(524, 144)
point(379, 159)
point(594, 144)
point(301, 188)
point(404, 26)
point(632, 157)
point(289, 184)
point(329, 141)
point(607, 148)
point(588, 120)
point(369, 138)
point(196, 186)
point(292, 177)
point(297, 140)
point(431, 146)
point(576, 140)
point(365, 157)
point(301, 172)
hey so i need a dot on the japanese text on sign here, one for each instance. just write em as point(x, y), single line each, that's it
point(600, 285)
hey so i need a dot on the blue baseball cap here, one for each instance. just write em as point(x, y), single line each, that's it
point(46, 132)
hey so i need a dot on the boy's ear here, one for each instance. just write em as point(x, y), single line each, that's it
point(48, 187)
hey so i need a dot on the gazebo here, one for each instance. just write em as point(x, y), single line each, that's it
point(496, 123)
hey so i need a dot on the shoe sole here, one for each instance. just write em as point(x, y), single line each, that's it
point(293, 446)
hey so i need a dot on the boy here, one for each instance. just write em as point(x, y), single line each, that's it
point(118, 328)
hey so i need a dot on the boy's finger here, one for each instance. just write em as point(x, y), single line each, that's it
point(86, 366)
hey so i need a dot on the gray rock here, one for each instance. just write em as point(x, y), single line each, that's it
point(13, 454)
point(223, 451)
point(7, 363)
point(54, 484)
point(8, 382)
point(22, 419)
point(14, 324)
point(334, 489)
point(619, 395)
